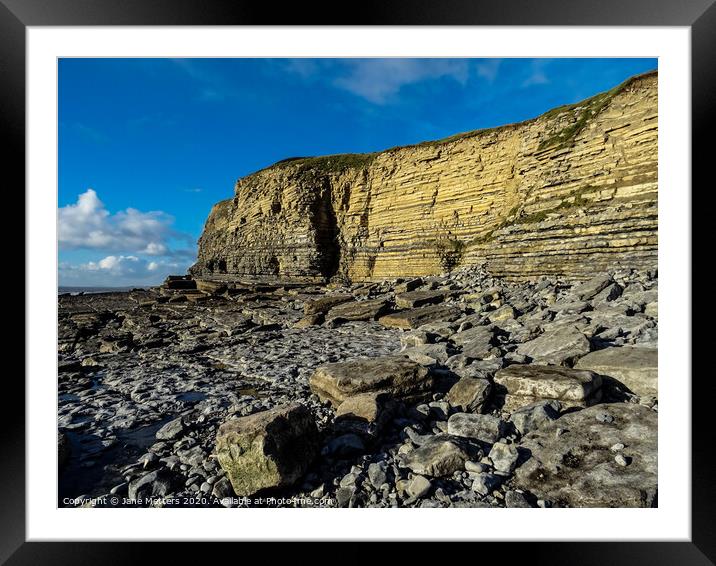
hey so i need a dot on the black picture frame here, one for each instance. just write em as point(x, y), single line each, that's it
point(699, 15)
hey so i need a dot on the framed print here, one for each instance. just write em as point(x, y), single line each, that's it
point(401, 278)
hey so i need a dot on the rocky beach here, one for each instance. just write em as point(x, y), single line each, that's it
point(444, 391)
point(469, 322)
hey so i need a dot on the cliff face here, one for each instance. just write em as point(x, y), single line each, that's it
point(569, 193)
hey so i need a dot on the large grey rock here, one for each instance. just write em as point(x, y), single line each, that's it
point(590, 288)
point(577, 467)
point(419, 487)
point(504, 457)
point(440, 456)
point(548, 382)
point(517, 386)
point(414, 318)
point(560, 346)
point(171, 430)
point(475, 335)
point(268, 449)
point(476, 342)
point(635, 367)
point(469, 394)
point(397, 375)
point(486, 428)
point(535, 415)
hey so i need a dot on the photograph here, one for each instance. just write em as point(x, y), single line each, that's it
point(357, 282)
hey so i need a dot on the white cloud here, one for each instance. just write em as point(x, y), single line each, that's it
point(87, 224)
point(119, 270)
point(153, 248)
point(488, 69)
point(377, 80)
point(133, 247)
point(538, 76)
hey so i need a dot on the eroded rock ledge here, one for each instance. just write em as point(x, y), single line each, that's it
point(569, 193)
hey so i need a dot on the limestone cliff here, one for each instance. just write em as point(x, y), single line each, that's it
point(569, 193)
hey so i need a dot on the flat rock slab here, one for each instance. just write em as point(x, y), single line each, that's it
point(559, 346)
point(415, 299)
point(578, 468)
point(324, 304)
point(637, 368)
point(268, 449)
point(358, 310)
point(547, 382)
point(414, 318)
point(396, 375)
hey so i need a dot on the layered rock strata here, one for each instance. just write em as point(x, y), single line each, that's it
point(568, 193)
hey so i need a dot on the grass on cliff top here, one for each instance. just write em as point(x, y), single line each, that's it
point(329, 163)
point(589, 108)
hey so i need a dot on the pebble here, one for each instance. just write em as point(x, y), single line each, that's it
point(621, 460)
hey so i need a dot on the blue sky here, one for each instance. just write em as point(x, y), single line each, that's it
point(147, 146)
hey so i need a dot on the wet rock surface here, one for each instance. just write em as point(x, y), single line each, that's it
point(394, 391)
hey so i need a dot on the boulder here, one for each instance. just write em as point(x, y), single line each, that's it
point(469, 394)
point(439, 456)
point(521, 385)
point(268, 449)
point(485, 428)
point(561, 346)
point(414, 318)
point(577, 468)
point(396, 375)
point(635, 367)
point(358, 310)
